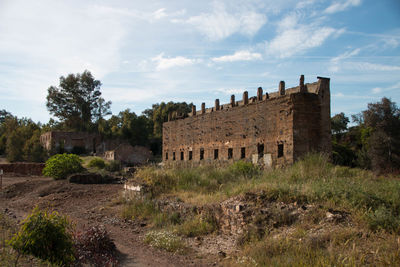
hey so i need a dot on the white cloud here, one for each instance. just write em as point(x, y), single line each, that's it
point(220, 24)
point(160, 13)
point(243, 55)
point(305, 3)
point(163, 63)
point(336, 61)
point(296, 38)
point(338, 6)
point(231, 91)
point(346, 55)
point(365, 66)
point(376, 90)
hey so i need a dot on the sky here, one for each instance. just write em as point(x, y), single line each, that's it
point(145, 52)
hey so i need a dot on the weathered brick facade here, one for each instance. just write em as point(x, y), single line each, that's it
point(270, 129)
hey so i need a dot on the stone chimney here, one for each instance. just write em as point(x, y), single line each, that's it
point(232, 100)
point(216, 104)
point(281, 88)
point(203, 108)
point(194, 110)
point(259, 94)
point(245, 97)
point(302, 87)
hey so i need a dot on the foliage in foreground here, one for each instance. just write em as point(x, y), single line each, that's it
point(61, 165)
point(336, 247)
point(46, 236)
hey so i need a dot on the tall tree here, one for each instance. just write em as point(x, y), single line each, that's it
point(382, 119)
point(339, 123)
point(77, 101)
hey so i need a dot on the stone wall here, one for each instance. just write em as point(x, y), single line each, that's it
point(271, 129)
point(57, 141)
point(22, 168)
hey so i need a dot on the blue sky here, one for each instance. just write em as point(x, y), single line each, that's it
point(145, 52)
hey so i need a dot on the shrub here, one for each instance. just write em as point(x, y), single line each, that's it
point(113, 166)
point(383, 219)
point(243, 168)
point(95, 247)
point(46, 236)
point(139, 209)
point(61, 165)
point(97, 163)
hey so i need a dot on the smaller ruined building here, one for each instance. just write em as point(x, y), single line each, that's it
point(58, 141)
point(134, 155)
point(92, 143)
point(269, 129)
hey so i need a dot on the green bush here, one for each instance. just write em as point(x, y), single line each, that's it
point(46, 236)
point(383, 219)
point(61, 165)
point(97, 163)
point(113, 166)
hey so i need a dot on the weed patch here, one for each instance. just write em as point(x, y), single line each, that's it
point(165, 240)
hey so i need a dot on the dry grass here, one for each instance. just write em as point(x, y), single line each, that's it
point(368, 236)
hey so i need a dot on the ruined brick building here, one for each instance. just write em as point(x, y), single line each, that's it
point(270, 129)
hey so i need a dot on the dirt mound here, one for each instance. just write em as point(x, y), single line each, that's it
point(90, 178)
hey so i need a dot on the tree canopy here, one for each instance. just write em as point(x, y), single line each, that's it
point(77, 101)
point(159, 114)
point(373, 143)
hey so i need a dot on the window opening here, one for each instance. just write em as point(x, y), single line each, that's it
point(280, 150)
point(230, 153)
point(260, 150)
point(190, 155)
point(173, 156)
point(201, 153)
point(215, 153)
point(166, 156)
point(181, 155)
point(243, 153)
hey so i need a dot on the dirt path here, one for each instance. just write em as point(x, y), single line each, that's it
point(87, 205)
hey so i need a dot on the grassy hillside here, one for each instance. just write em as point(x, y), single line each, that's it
point(368, 205)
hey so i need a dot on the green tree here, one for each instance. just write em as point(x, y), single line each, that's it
point(15, 133)
point(33, 150)
point(77, 102)
point(382, 121)
point(14, 147)
point(339, 123)
point(159, 114)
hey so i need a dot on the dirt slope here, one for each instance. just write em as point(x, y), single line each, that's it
point(87, 205)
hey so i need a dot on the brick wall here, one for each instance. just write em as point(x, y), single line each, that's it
point(281, 126)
